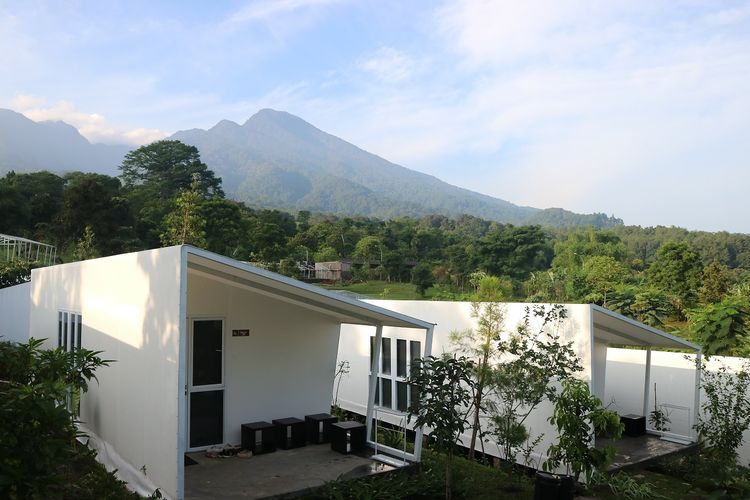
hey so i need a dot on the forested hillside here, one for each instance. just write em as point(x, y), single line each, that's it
point(694, 283)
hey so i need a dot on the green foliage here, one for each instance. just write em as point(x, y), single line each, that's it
point(422, 278)
point(722, 328)
point(537, 360)
point(578, 416)
point(36, 428)
point(185, 225)
point(625, 486)
point(86, 246)
point(579, 245)
point(15, 272)
point(514, 251)
point(717, 280)
point(604, 274)
point(445, 388)
point(167, 167)
point(479, 344)
point(725, 412)
point(677, 270)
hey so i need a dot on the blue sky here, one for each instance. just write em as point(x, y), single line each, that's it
point(639, 109)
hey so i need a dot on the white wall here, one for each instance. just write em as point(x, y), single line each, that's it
point(354, 346)
point(674, 376)
point(130, 310)
point(15, 306)
point(283, 369)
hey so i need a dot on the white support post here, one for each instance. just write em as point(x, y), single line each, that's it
point(418, 433)
point(373, 378)
point(647, 382)
point(697, 400)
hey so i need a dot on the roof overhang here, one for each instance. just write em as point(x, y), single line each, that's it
point(614, 328)
point(341, 308)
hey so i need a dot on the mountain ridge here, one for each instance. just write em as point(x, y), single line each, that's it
point(278, 160)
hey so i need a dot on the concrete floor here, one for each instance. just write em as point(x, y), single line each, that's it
point(637, 451)
point(281, 473)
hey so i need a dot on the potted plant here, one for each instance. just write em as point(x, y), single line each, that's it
point(659, 418)
point(578, 416)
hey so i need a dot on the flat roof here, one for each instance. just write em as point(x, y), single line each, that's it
point(614, 328)
point(344, 309)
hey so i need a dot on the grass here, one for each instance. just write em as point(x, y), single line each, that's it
point(471, 480)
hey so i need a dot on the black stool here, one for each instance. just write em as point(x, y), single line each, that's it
point(259, 437)
point(319, 427)
point(348, 437)
point(290, 432)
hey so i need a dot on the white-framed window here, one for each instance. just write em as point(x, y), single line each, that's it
point(69, 325)
point(392, 389)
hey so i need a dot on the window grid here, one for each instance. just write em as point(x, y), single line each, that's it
point(394, 392)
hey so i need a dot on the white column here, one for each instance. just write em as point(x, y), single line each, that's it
point(697, 401)
point(374, 369)
point(418, 433)
point(647, 382)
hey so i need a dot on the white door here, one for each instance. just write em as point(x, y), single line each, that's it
point(206, 383)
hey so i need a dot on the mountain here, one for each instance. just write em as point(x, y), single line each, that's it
point(28, 146)
point(278, 160)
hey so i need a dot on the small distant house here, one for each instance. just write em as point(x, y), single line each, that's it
point(335, 270)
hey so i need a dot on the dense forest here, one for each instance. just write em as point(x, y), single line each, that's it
point(694, 283)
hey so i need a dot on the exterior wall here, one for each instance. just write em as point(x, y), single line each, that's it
point(283, 369)
point(354, 346)
point(15, 307)
point(130, 310)
point(674, 376)
point(599, 369)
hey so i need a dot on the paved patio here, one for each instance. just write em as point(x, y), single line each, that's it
point(637, 451)
point(283, 473)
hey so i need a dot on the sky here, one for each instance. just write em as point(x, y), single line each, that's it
point(635, 108)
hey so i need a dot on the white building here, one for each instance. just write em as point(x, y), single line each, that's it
point(201, 344)
point(591, 328)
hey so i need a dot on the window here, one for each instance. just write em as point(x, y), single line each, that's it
point(69, 326)
point(401, 358)
point(395, 392)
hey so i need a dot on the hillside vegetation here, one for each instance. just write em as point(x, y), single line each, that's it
point(691, 282)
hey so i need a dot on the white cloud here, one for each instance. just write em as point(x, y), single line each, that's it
point(265, 11)
point(92, 126)
point(388, 64)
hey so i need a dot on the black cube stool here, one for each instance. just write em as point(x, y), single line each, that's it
point(348, 437)
point(290, 432)
point(635, 425)
point(259, 437)
point(319, 427)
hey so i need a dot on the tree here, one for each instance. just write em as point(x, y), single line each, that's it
point(92, 200)
point(579, 416)
point(421, 276)
point(185, 224)
point(36, 428)
point(537, 358)
point(479, 343)
point(514, 251)
point(580, 245)
point(604, 273)
point(725, 412)
point(723, 328)
point(168, 167)
point(445, 386)
point(86, 246)
point(15, 272)
point(717, 281)
point(676, 270)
